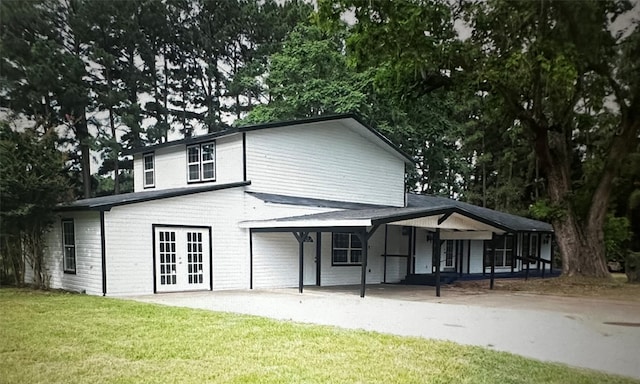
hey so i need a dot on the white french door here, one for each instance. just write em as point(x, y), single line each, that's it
point(182, 259)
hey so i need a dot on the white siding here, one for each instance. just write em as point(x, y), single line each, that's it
point(477, 252)
point(326, 161)
point(171, 165)
point(341, 275)
point(129, 239)
point(276, 260)
point(424, 252)
point(88, 276)
point(397, 244)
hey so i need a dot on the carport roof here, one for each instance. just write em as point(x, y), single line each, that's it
point(514, 222)
point(421, 210)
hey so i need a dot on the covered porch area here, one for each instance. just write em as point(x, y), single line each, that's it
point(362, 239)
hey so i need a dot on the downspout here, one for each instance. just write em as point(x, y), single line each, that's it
point(103, 251)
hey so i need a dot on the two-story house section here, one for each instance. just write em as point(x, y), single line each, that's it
point(331, 158)
point(318, 201)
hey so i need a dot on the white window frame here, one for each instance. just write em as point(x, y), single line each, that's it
point(350, 248)
point(201, 162)
point(501, 251)
point(534, 246)
point(68, 248)
point(146, 170)
point(449, 249)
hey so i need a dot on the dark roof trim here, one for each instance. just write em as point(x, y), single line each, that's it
point(107, 202)
point(310, 229)
point(186, 141)
point(277, 124)
point(443, 211)
point(310, 202)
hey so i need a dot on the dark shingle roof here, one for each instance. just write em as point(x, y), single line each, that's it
point(105, 203)
point(514, 222)
point(417, 206)
point(309, 202)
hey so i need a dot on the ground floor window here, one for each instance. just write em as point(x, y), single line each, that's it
point(346, 249)
point(503, 251)
point(448, 251)
point(68, 246)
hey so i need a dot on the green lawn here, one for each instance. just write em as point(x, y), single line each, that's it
point(64, 338)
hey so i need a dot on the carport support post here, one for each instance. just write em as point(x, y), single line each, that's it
point(436, 258)
point(301, 237)
point(493, 259)
point(364, 240)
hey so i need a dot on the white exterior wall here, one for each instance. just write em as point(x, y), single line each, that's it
point(130, 248)
point(545, 249)
point(342, 275)
point(276, 265)
point(397, 244)
point(170, 164)
point(477, 250)
point(424, 252)
point(324, 161)
point(88, 276)
point(276, 260)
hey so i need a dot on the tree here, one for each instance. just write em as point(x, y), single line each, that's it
point(310, 77)
point(410, 52)
point(43, 72)
point(568, 80)
point(32, 182)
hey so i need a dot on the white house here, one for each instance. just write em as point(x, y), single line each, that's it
point(319, 201)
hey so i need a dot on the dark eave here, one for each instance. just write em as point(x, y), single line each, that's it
point(309, 202)
point(105, 203)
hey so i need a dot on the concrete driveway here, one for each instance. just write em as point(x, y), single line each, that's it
point(591, 333)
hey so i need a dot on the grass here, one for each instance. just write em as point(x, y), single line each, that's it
point(53, 337)
point(615, 288)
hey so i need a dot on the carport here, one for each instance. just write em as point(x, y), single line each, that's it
point(443, 222)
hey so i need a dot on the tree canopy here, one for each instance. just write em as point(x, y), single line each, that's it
point(535, 112)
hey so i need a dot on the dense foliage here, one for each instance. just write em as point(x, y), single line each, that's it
point(529, 107)
point(31, 184)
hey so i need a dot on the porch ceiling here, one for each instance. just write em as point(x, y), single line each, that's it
point(455, 221)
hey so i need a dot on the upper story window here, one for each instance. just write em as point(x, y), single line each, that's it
point(347, 249)
point(201, 162)
point(149, 170)
point(68, 246)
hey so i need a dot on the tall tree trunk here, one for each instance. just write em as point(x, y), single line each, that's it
point(581, 245)
point(82, 133)
point(115, 154)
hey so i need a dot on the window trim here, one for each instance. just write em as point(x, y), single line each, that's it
point(145, 170)
point(65, 267)
point(201, 162)
point(501, 251)
point(449, 248)
point(348, 263)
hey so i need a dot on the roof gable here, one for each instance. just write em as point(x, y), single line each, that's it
point(352, 121)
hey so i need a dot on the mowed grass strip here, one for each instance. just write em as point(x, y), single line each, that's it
point(50, 337)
